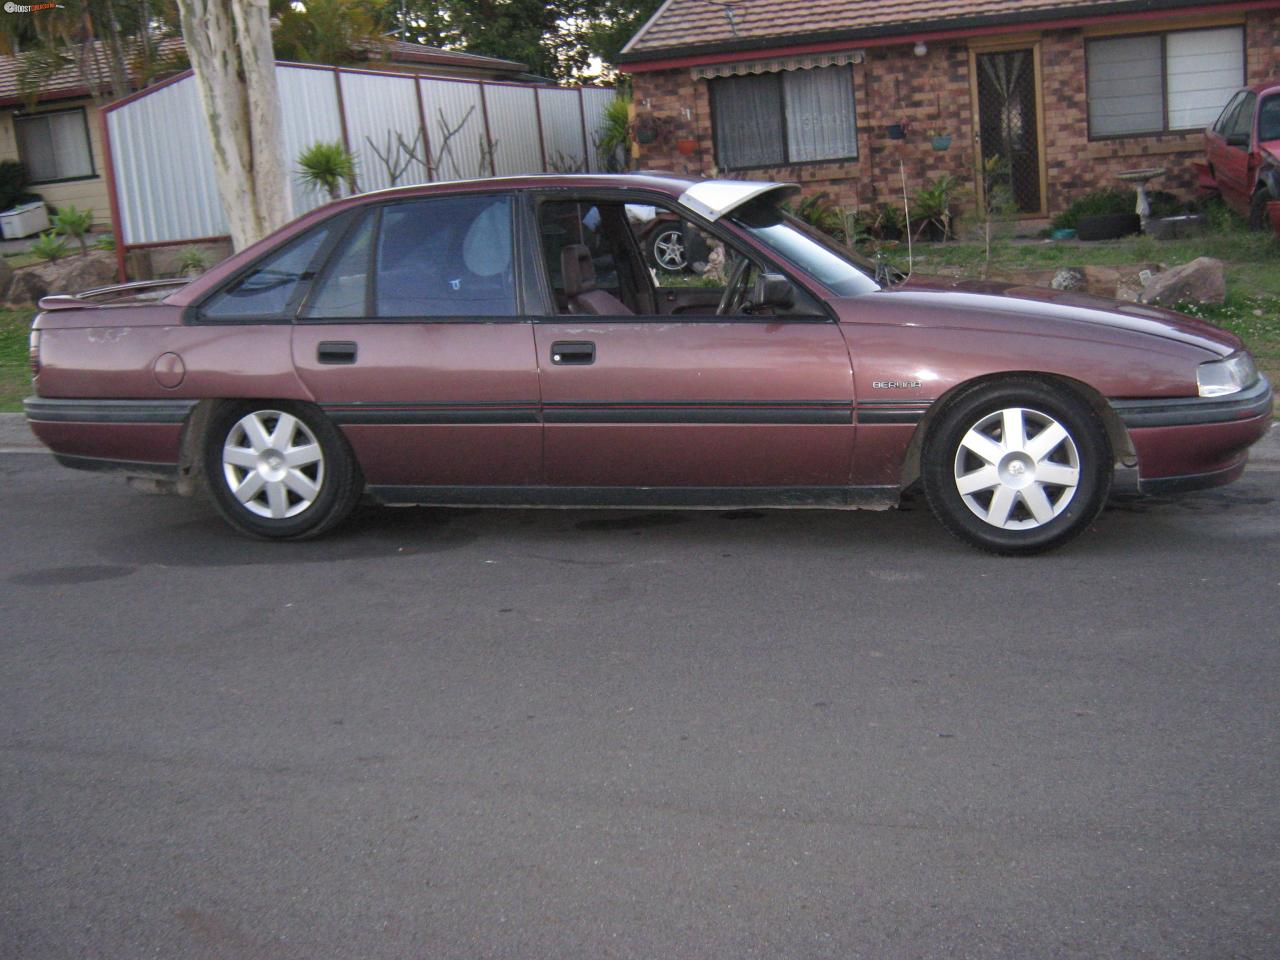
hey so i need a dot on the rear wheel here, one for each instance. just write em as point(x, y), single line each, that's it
point(1017, 467)
point(279, 470)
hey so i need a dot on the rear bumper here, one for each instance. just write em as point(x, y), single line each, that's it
point(128, 436)
point(1189, 443)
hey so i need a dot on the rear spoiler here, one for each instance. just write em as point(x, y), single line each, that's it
point(108, 296)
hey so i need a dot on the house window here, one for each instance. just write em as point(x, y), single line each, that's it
point(1164, 81)
point(773, 119)
point(55, 146)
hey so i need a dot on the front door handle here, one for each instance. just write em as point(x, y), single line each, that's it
point(578, 352)
point(336, 351)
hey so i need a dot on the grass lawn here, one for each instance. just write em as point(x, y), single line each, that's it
point(1252, 307)
point(15, 372)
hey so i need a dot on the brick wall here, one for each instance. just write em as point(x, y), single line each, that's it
point(1262, 42)
point(896, 86)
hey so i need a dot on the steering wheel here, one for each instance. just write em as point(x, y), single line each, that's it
point(735, 291)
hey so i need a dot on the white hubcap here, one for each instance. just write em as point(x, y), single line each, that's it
point(273, 464)
point(1017, 469)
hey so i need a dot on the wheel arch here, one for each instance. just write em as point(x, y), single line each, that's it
point(1117, 435)
point(195, 429)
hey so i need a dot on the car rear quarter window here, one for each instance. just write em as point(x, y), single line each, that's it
point(342, 292)
point(445, 257)
point(268, 291)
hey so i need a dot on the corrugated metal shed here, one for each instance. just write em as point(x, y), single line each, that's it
point(164, 184)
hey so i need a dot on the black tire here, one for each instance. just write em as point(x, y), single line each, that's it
point(1258, 209)
point(335, 476)
point(1024, 478)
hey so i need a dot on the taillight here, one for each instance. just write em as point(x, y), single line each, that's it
point(34, 353)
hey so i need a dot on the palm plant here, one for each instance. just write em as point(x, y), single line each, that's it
point(49, 246)
point(75, 223)
point(327, 166)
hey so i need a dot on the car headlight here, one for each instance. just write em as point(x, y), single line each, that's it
point(1217, 378)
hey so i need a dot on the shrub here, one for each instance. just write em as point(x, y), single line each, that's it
point(1099, 203)
point(191, 262)
point(105, 242)
point(75, 223)
point(931, 207)
point(49, 246)
point(820, 212)
point(614, 143)
point(327, 166)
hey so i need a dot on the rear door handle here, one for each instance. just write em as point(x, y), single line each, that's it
point(336, 351)
point(579, 352)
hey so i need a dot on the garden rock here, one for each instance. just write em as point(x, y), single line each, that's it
point(1101, 281)
point(1203, 280)
point(26, 287)
point(72, 274)
point(1068, 278)
point(6, 274)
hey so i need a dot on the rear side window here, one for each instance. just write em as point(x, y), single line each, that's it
point(446, 256)
point(438, 257)
point(270, 290)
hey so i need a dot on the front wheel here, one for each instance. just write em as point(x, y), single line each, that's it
point(279, 470)
point(1017, 467)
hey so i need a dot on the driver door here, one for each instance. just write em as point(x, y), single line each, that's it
point(646, 397)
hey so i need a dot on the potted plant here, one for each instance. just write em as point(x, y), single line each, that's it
point(938, 137)
point(898, 131)
point(687, 146)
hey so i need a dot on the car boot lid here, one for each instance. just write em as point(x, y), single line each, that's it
point(714, 199)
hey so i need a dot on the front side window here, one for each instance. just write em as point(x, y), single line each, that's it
point(269, 290)
point(1165, 81)
point(55, 146)
point(774, 119)
point(1269, 119)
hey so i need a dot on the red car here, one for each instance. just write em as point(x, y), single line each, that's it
point(506, 342)
point(1234, 148)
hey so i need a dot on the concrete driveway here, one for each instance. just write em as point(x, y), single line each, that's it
point(624, 734)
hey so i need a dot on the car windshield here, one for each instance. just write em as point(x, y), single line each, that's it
point(837, 267)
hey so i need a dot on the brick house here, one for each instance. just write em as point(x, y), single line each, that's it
point(1067, 92)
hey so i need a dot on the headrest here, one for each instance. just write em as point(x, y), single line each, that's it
point(576, 268)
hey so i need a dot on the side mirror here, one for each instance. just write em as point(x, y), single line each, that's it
point(772, 290)
point(1238, 140)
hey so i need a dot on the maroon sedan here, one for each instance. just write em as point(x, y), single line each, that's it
point(507, 342)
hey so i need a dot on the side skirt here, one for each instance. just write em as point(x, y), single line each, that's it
point(687, 498)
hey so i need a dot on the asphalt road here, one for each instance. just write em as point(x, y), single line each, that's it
point(529, 734)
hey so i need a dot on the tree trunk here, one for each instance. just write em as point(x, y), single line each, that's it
point(229, 43)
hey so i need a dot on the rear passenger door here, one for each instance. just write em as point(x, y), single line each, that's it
point(412, 339)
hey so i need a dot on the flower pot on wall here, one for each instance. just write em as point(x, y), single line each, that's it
point(646, 134)
point(687, 147)
point(897, 131)
point(942, 141)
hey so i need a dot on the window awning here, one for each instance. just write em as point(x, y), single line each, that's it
point(778, 64)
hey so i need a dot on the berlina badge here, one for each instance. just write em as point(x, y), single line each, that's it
point(895, 384)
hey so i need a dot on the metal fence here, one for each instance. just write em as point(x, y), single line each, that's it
point(403, 129)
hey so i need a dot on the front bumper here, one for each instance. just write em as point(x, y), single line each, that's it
point(1189, 443)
